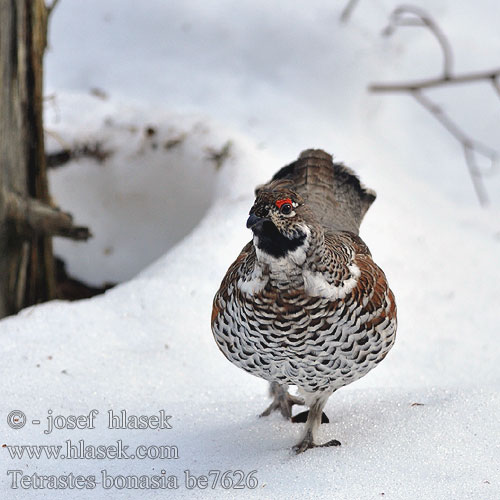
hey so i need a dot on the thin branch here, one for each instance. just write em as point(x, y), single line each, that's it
point(440, 115)
point(33, 216)
point(454, 129)
point(418, 17)
point(347, 10)
point(470, 146)
point(21, 275)
point(51, 7)
point(496, 83)
point(492, 75)
point(475, 175)
point(62, 142)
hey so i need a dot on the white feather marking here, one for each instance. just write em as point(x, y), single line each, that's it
point(255, 284)
point(316, 285)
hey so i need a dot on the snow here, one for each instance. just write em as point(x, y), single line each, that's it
point(425, 423)
point(151, 191)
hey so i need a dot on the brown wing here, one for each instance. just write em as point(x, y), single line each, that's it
point(245, 261)
point(371, 298)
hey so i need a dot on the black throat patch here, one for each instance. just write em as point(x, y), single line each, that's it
point(273, 242)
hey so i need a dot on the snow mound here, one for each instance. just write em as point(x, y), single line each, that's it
point(140, 179)
point(421, 425)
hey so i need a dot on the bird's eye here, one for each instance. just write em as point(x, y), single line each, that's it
point(286, 209)
point(285, 206)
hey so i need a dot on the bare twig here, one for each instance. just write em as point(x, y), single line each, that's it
point(441, 81)
point(63, 143)
point(474, 174)
point(34, 216)
point(95, 150)
point(347, 10)
point(51, 7)
point(495, 82)
point(469, 145)
point(21, 275)
point(408, 15)
point(219, 156)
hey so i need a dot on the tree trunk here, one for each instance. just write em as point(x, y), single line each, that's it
point(27, 219)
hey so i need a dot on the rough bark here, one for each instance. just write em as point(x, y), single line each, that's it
point(27, 218)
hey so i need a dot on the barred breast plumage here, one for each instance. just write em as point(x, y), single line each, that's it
point(304, 304)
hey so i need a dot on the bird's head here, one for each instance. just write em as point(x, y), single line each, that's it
point(282, 224)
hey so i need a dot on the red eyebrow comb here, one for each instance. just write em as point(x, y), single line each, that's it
point(280, 203)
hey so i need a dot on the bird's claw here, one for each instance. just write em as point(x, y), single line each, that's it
point(282, 402)
point(307, 444)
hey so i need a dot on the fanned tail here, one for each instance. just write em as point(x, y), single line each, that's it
point(332, 190)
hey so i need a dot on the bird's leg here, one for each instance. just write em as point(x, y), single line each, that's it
point(282, 401)
point(312, 424)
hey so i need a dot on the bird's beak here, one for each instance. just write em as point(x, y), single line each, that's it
point(253, 220)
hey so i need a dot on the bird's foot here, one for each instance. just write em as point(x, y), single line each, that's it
point(308, 443)
point(282, 402)
point(302, 417)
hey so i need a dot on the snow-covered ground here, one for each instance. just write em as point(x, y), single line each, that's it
point(272, 78)
point(157, 181)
